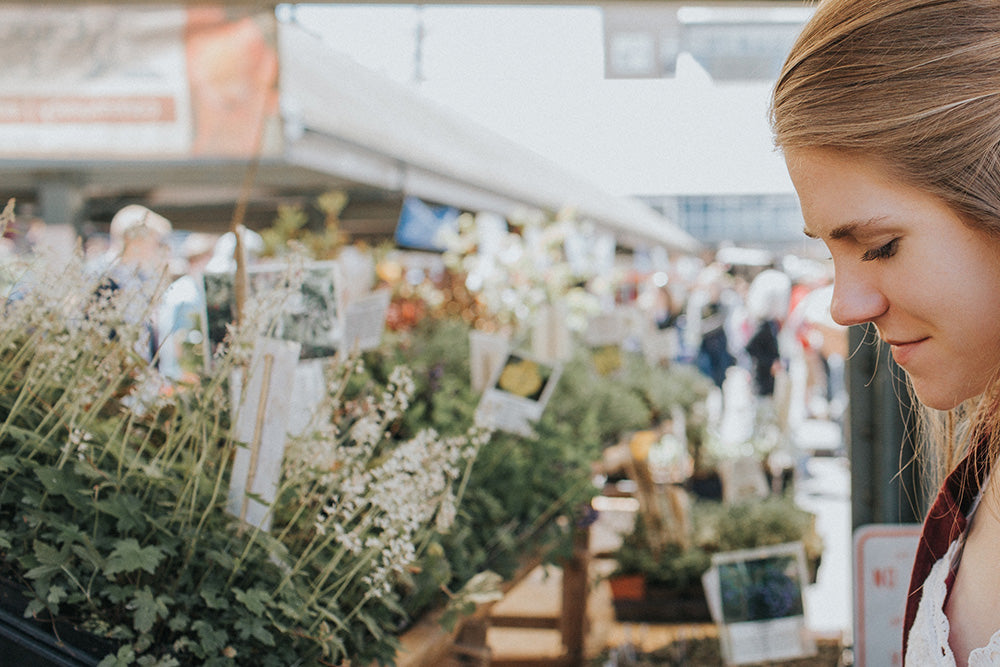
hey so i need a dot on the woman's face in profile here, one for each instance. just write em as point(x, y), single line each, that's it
point(907, 263)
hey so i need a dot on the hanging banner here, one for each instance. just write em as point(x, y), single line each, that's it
point(137, 82)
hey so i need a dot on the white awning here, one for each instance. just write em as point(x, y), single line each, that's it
point(346, 120)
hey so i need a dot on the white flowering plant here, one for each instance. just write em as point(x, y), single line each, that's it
point(112, 501)
point(521, 270)
point(523, 494)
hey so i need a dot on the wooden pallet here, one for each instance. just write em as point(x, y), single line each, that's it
point(540, 622)
point(544, 620)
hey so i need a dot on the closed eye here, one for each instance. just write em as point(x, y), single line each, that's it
point(882, 252)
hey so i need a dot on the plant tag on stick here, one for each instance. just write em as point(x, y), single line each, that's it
point(550, 336)
point(364, 321)
point(517, 394)
point(309, 389)
point(261, 428)
point(487, 352)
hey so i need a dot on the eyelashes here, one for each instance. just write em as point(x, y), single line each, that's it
point(882, 252)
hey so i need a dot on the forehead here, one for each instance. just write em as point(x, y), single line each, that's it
point(835, 189)
point(862, 200)
point(817, 166)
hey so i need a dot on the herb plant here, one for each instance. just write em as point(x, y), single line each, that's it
point(114, 489)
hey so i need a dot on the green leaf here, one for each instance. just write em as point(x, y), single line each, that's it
point(56, 595)
point(87, 470)
point(9, 463)
point(178, 621)
point(58, 481)
point(50, 560)
point(89, 554)
point(129, 556)
point(121, 633)
point(153, 661)
point(31, 498)
point(33, 608)
point(47, 554)
point(221, 558)
point(69, 533)
point(255, 599)
point(256, 628)
point(124, 657)
point(261, 634)
point(212, 640)
point(372, 624)
point(117, 594)
point(41, 572)
point(214, 600)
point(148, 609)
point(125, 508)
point(143, 642)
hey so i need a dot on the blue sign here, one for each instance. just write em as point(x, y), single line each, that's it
point(420, 225)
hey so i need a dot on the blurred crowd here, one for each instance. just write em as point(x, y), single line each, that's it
point(762, 332)
point(759, 327)
point(152, 270)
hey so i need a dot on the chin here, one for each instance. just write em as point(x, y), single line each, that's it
point(939, 398)
point(939, 404)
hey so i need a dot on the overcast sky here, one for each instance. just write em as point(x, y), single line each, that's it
point(536, 75)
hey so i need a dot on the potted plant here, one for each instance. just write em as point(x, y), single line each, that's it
point(671, 576)
point(672, 573)
point(114, 497)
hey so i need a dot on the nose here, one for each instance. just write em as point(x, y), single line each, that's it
point(856, 299)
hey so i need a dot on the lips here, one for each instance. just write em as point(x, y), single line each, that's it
point(903, 351)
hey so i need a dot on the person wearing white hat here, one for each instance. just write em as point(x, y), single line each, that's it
point(132, 271)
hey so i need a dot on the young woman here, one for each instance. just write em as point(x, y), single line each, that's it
point(888, 115)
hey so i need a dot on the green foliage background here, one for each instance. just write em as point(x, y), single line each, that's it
point(525, 495)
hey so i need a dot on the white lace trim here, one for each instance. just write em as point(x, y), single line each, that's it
point(928, 642)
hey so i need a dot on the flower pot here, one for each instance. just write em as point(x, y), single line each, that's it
point(628, 586)
point(25, 641)
point(661, 604)
point(706, 485)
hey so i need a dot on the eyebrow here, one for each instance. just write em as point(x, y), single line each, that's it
point(847, 229)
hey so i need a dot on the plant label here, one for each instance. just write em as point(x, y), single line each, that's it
point(261, 423)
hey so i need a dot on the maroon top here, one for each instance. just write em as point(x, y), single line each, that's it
point(945, 521)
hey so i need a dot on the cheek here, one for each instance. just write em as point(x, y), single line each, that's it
point(974, 314)
point(983, 327)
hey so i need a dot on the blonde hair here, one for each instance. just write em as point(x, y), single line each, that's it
point(912, 83)
point(915, 86)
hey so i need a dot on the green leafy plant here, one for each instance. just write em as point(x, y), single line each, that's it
point(113, 496)
point(524, 495)
point(716, 527)
point(291, 228)
point(764, 522)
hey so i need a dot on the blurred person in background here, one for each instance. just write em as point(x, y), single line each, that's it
point(182, 309)
point(133, 269)
point(767, 308)
point(888, 115)
point(705, 328)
